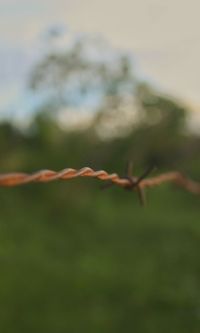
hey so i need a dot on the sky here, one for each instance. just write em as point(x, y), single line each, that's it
point(164, 37)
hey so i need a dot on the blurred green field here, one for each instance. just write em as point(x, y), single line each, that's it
point(76, 259)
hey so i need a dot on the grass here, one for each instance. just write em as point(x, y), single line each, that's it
point(74, 259)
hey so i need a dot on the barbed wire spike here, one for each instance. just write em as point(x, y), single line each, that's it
point(135, 182)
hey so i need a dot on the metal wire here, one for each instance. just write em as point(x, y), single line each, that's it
point(43, 176)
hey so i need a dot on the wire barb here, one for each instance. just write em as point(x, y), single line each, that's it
point(135, 182)
point(128, 182)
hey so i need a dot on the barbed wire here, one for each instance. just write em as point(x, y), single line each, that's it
point(127, 182)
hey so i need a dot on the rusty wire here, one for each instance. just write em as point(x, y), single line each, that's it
point(128, 182)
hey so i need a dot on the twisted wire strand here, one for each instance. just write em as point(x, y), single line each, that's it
point(43, 176)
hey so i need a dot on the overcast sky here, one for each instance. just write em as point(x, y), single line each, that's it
point(164, 37)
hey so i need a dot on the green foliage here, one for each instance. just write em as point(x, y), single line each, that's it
point(158, 109)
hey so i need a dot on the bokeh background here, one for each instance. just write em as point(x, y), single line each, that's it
point(99, 83)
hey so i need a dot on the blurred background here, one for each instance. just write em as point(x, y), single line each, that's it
point(99, 83)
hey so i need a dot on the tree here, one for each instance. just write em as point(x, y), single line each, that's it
point(88, 73)
point(91, 75)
